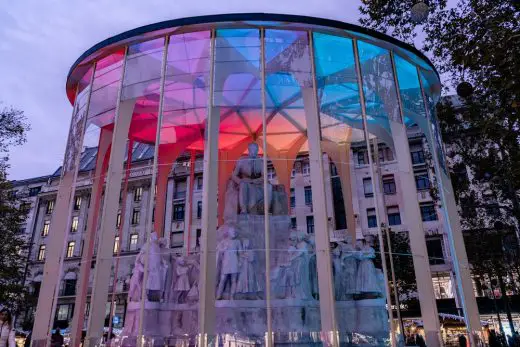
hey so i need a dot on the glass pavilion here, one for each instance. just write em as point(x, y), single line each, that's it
point(209, 87)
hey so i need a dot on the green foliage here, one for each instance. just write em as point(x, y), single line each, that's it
point(13, 212)
point(403, 264)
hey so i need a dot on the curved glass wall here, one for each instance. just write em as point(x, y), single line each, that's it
point(276, 164)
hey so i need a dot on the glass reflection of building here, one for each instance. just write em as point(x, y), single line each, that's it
point(294, 127)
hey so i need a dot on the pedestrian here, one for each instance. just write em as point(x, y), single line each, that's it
point(57, 339)
point(493, 339)
point(462, 340)
point(28, 338)
point(7, 333)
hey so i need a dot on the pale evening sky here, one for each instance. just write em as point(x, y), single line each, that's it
point(39, 41)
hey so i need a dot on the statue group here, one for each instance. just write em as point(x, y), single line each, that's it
point(171, 285)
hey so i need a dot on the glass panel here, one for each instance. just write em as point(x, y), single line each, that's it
point(294, 280)
point(138, 114)
point(240, 250)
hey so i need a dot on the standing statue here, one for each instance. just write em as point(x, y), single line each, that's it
point(248, 177)
point(182, 282)
point(247, 280)
point(349, 261)
point(337, 268)
point(156, 269)
point(136, 280)
point(227, 262)
point(366, 282)
point(193, 294)
point(299, 273)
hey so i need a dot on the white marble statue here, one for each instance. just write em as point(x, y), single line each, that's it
point(156, 269)
point(136, 280)
point(366, 280)
point(193, 294)
point(337, 268)
point(248, 177)
point(298, 274)
point(247, 278)
point(227, 261)
point(350, 264)
point(182, 282)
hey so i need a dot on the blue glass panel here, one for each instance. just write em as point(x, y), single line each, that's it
point(379, 90)
point(430, 95)
point(338, 92)
point(413, 104)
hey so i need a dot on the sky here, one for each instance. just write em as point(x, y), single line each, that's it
point(40, 40)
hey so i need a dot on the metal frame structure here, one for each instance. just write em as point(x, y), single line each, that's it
point(312, 113)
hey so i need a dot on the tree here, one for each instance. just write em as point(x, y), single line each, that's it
point(13, 241)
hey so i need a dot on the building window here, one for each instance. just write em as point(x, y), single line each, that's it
point(367, 187)
point(271, 174)
point(422, 180)
point(199, 183)
point(136, 216)
point(361, 158)
point(46, 227)
point(77, 203)
point(199, 234)
point(116, 245)
point(371, 217)
point(293, 223)
point(177, 239)
point(434, 247)
point(34, 191)
point(333, 170)
point(389, 184)
point(381, 154)
point(308, 195)
point(389, 154)
point(70, 249)
point(69, 287)
point(293, 173)
point(178, 212)
point(306, 169)
point(50, 207)
point(442, 286)
point(41, 253)
point(310, 224)
point(134, 238)
point(199, 209)
point(394, 217)
point(293, 198)
point(138, 194)
point(417, 157)
point(428, 212)
point(118, 220)
point(64, 311)
point(74, 224)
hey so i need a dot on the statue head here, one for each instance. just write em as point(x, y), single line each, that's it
point(231, 232)
point(252, 150)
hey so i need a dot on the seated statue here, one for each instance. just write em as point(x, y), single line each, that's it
point(248, 176)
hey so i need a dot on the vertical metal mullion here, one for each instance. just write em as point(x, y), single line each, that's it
point(269, 337)
point(334, 332)
point(151, 202)
point(87, 108)
point(372, 177)
point(204, 291)
point(69, 210)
